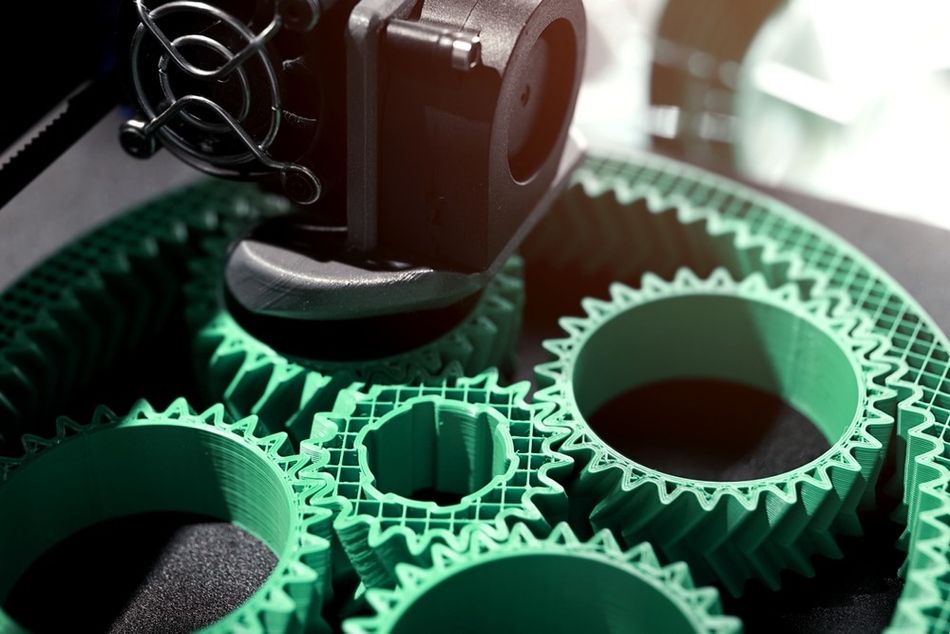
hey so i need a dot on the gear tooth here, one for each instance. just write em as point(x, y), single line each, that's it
point(66, 427)
point(478, 541)
point(179, 408)
point(141, 410)
point(558, 347)
point(380, 600)
point(642, 553)
point(562, 534)
point(574, 326)
point(652, 285)
point(604, 540)
point(685, 278)
point(409, 576)
point(621, 294)
point(274, 444)
point(34, 444)
point(721, 278)
point(102, 415)
point(595, 308)
point(214, 415)
point(248, 426)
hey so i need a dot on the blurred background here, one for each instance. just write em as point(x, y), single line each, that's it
point(846, 100)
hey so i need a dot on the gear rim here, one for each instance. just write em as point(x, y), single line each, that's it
point(293, 594)
point(699, 606)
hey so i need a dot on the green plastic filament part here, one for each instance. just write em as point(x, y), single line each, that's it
point(176, 460)
point(481, 446)
point(518, 583)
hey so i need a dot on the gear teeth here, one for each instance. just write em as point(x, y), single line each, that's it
point(220, 466)
point(547, 568)
point(744, 231)
point(253, 378)
point(729, 532)
point(74, 315)
point(469, 436)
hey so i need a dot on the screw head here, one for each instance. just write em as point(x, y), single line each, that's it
point(136, 141)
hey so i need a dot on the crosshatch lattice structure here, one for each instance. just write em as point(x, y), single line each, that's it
point(379, 529)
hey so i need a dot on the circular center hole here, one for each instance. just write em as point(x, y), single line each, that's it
point(73, 497)
point(543, 593)
point(716, 387)
point(437, 451)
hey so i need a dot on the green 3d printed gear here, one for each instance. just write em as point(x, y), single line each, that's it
point(469, 438)
point(193, 462)
point(67, 320)
point(250, 377)
point(710, 221)
point(517, 583)
point(819, 355)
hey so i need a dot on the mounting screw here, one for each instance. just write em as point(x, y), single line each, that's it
point(136, 141)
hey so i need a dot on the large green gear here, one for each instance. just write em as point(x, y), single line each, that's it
point(250, 377)
point(737, 331)
point(470, 437)
point(518, 583)
point(710, 221)
point(192, 462)
point(66, 321)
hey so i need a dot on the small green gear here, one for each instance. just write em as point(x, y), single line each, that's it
point(469, 437)
point(66, 321)
point(519, 583)
point(692, 328)
point(250, 377)
point(176, 460)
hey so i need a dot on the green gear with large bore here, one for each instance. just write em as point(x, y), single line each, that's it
point(469, 439)
point(819, 355)
point(195, 462)
point(519, 583)
point(687, 216)
point(251, 377)
point(68, 320)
